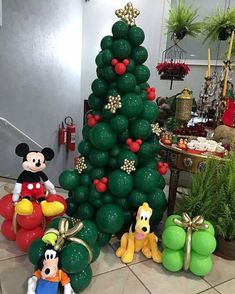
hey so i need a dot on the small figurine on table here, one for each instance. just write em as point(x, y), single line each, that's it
point(166, 139)
point(182, 144)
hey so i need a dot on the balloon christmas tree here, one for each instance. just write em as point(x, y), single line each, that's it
point(117, 168)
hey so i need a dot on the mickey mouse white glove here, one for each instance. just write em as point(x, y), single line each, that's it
point(50, 187)
point(32, 283)
point(68, 289)
point(16, 192)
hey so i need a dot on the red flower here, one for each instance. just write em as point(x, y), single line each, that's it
point(173, 68)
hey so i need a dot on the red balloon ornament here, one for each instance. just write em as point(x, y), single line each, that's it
point(33, 220)
point(162, 168)
point(151, 93)
point(120, 67)
point(7, 230)
point(134, 146)
point(7, 207)
point(93, 120)
point(101, 185)
point(24, 238)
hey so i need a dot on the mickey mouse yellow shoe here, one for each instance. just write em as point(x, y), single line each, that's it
point(24, 207)
point(51, 208)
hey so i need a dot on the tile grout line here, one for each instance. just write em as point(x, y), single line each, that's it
point(13, 257)
point(116, 269)
point(138, 279)
point(213, 286)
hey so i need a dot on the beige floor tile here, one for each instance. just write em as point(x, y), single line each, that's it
point(107, 261)
point(227, 288)
point(8, 249)
point(138, 257)
point(14, 274)
point(121, 281)
point(158, 280)
point(210, 291)
point(222, 271)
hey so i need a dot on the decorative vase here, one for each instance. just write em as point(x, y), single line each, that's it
point(225, 249)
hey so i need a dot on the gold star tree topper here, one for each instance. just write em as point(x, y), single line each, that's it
point(114, 103)
point(128, 166)
point(128, 14)
point(80, 165)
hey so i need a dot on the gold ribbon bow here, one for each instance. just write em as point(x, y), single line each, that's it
point(197, 223)
point(65, 234)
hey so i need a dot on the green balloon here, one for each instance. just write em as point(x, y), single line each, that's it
point(94, 193)
point(36, 252)
point(107, 115)
point(116, 150)
point(88, 233)
point(107, 56)
point(139, 55)
point(81, 194)
point(174, 237)
point(128, 217)
point(150, 111)
point(173, 260)
point(106, 42)
point(119, 123)
point(113, 163)
point(84, 147)
point(109, 74)
point(99, 87)
point(155, 145)
point(146, 151)
point(97, 173)
point(143, 95)
point(103, 238)
point(74, 258)
point(71, 207)
point(170, 220)
point(110, 218)
point(69, 179)
point(132, 105)
point(99, 72)
point(203, 243)
point(156, 216)
point(210, 229)
point(130, 66)
point(120, 183)
point(54, 223)
point(85, 180)
point(99, 61)
point(126, 83)
point(121, 49)
point(108, 198)
point(122, 203)
point(126, 154)
point(123, 136)
point(142, 73)
point(140, 129)
point(80, 281)
point(112, 92)
point(157, 199)
point(161, 182)
point(98, 158)
point(200, 265)
point(152, 163)
point(120, 29)
point(102, 136)
point(85, 211)
point(136, 36)
point(86, 132)
point(137, 198)
point(146, 179)
point(95, 102)
point(95, 250)
point(138, 90)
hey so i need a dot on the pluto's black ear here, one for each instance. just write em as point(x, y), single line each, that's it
point(133, 226)
point(22, 149)
point(48, 153)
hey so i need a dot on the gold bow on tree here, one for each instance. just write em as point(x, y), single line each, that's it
point(197, 223)
point(58, 237)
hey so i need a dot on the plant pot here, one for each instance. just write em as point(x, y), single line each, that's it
point(225, 249)
point(180, 34)
point(224, 34)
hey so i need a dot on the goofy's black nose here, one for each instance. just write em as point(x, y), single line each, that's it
point(38, 164)
point(47, 271)
point(144, 229)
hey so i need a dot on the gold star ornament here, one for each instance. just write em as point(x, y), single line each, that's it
point(128, 166)
point(156, 129)
point(114, 103)
point(128, 14)
point(80, 165)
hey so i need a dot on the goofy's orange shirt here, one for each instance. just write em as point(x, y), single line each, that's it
point(60, 277)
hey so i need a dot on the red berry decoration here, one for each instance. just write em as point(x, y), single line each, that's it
point(93, 120)
point(101, 185)
point(162, 168)
point(151, 93)
point(134, 146)
point(7, 207)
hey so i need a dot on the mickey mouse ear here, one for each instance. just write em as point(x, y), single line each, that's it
point(22, 149)
point(48, 153)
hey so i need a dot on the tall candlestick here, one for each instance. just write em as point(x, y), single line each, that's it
point(230, 47)
point(209, 62)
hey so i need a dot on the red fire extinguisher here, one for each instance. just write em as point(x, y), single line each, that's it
point(62, 134)
point(71, 133)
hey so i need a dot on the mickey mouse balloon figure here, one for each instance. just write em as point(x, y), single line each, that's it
point(47, 279)
point(29, 186)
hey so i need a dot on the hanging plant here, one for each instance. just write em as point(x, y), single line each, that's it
point(172, 71)
point(220, 25)
point(182, 21)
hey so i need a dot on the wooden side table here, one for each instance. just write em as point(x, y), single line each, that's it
point(178, 161)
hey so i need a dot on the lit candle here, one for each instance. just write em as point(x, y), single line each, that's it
point(230, 47)
point(209, 62)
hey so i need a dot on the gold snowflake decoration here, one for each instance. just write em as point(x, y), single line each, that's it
point(156, 129)
point(80, 165)
point(128, 14)
point(128, 166)
point(114, 103)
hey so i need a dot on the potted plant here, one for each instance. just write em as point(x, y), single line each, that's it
point(172, 70)
point(182, 21)
point(212, 194)
point(220, 25)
